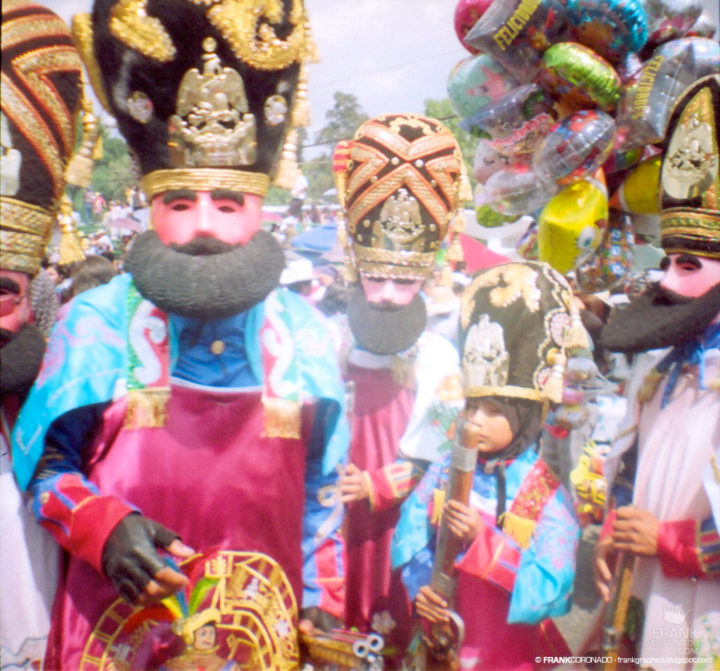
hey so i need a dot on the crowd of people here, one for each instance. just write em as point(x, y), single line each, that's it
point(220, 454)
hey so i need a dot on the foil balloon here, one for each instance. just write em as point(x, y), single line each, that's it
point(649, 97)
point(467, 13)
point(608, 268)
point(516, 32)
point(570, 224)
point(612, 28)
point(575, 147)
point(628, 66)
point(487, 161)
point(639, 193)
point(670, 19)
point(703, 27)
point(516, 122)
point(475, 82)
point(527, 244)
point(579, 78)
point(517, 190)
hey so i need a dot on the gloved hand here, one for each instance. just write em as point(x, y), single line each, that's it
point(131, 562)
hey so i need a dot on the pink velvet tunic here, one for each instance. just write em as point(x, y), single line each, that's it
point(208, 465)
point(381, 414)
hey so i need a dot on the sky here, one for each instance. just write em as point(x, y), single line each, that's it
point(392, 54)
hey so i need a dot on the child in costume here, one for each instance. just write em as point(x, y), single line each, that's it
point(519, 533)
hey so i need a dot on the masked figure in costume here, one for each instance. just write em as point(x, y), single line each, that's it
point(518, 531)
point(669, 439)
point(400, 190)
point(41, 97)
point(188, 398)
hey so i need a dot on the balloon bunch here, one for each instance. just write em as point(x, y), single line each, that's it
point(569, 100)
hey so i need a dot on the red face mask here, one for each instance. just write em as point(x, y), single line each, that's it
point(180, 216)
point(14, 300)
point(387, 290)
point(689, 275)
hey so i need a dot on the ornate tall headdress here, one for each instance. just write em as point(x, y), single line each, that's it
point(41, 96)
point(690, 173)
point(206, 92)
point(403, 181)
point(519, 323)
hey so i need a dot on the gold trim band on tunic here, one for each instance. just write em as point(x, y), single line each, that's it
point(205, 179)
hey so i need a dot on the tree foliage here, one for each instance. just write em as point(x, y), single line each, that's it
point(343, 119)
point(114, 171)
point(442, 111)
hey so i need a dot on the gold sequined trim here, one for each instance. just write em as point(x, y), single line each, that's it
point(82, 36)
point(130, 23)
point(510, 391)
point(35, 68)
point(33, 127)
point(205, 179)
point(388, 263)
point(26, 28)
point(25, 218)
point(249, 32)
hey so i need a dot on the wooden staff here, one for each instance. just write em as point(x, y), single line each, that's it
point(440, 647)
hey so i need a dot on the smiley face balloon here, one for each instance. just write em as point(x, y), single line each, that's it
point(569, 226)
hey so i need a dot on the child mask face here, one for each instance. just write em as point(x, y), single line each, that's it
point(490, 429)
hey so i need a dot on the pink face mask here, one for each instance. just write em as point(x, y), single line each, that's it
point(689, 275)
point(14, 300)
point(179, 216)
point(387, 290)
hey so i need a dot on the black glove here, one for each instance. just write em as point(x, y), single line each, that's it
point(129, 558)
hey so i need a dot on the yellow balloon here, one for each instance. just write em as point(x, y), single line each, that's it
point(640, 191)
point(569, 226)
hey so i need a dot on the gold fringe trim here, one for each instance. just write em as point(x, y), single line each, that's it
point(649, 385)
point(553, 388)
point(465, 193)
point(520, 528)
point(70, 247)
point(577, 337)
point(288, 169)
point(282, 418)
point(403, 371)
point(79, 169)
point(146, 408)
point(300, 116)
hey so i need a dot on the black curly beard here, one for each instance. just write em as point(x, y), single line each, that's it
point(660, 318)
point(205, 278)
point(385, 330)
point(20, 358)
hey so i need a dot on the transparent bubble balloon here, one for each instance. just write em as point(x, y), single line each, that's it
point(475, 82)
point(488, 161)
point(575, 147)
point(670, 19)
point(516, 122)
point(517, 190)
